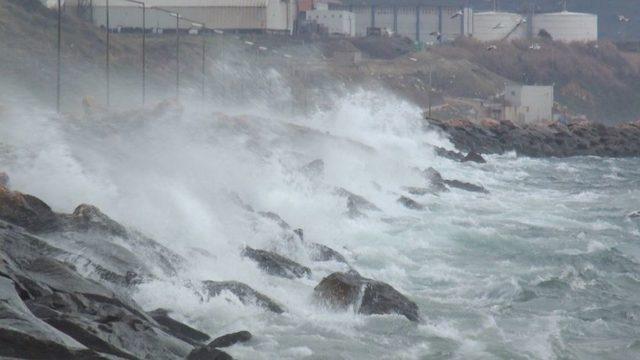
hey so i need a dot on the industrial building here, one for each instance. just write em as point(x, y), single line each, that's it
point(567, 26)
point(562, 26)
point(241, 15)
point(528, 104)
point(340, 22)
point(421, 20)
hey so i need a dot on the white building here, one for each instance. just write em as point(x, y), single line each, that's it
point(567, 26)
point(337, 21)
point(528, 104)
point(419, 20)
point(497, 26)
point(242, 15)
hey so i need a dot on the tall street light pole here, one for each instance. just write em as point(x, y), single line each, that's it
point(59, 55)
point(144, 47)
point(204, 55)
point(177, 16)
point(108, 56)
point(177, 55)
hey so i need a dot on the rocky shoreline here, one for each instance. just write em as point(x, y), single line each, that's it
point(51, 308)
point(546, 139)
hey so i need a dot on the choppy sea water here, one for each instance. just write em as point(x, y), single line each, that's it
point(545, 266)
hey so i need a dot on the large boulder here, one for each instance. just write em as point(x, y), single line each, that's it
point(320, 253)
point(366, 296)
point(26, 211)
point(409, 203)
point(243, 292)
point(474, 157)
point(208, 353)
point(89, 218)
point(276, 264)
point(178, 329)
point(457, 184)
point(230, 339)
point(357, 205)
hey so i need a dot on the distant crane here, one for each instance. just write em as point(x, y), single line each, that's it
point(498, 26)
point(457, 14)
point(437, 34)
point(492, 47)
point(535, 46)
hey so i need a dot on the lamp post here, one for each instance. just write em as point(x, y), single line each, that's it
point(59, 65)
point(204, 57)
point(177, 16)
point(144, 40)
point(108, 57)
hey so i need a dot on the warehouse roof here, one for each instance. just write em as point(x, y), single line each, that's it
point(405, 2)
point(187, 3)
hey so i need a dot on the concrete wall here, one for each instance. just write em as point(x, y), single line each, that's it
point(414, 22)
point(528, 103)
point(337, 21)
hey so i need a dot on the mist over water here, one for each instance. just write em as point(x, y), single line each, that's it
point(545, 266)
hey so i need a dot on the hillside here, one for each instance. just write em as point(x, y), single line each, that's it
point(600, 82)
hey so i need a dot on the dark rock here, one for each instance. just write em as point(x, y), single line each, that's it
point(419, 191)
point(634, 215)
point(178, 329)
point(72, 316)
point(435, 180)
point(4, 179)
point(89, 218)
point(466, 186)
point(300, 233)
point(474, 157)
point(343, 290)
point(544, 139)
point(26, 211)
point(319, 252)
point(276, 218)
point(244, 292)
point(207, 353)
point(230, 339)
point(448, 154)
point(275, 264)
point(314, 169)
point(410, 203)
point(356, 204)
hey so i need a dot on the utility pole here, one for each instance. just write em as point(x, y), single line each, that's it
point(177, 56)
point(59, 56)
point(430, 88)
point(108, 56)
point(144, 46)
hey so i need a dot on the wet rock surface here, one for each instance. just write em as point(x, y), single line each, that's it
point(545, 139)
point(178, 329)
point(357, 205)
point(207, 353)
point(243, 292)
point(276, 264)
point(439, 184)
point(230, 339)
point(366, 296)
point(409, 203)
point(61, 311)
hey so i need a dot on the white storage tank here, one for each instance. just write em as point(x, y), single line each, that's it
point(567, 26)
point(52, 4)
point(495, 26)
